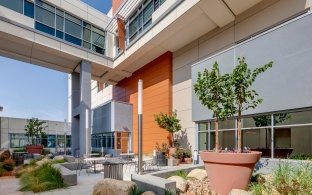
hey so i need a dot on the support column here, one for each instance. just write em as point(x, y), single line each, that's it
point(81, 110)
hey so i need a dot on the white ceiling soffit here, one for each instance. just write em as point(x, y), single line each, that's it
point(217, 11)
point(239, 6)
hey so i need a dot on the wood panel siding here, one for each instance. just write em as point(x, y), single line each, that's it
point(157, 97)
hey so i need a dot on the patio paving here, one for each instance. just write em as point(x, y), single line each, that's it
point(10, 185)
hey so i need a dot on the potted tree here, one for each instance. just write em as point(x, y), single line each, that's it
point(229, 170)
point(171, 124)
point(34, 131)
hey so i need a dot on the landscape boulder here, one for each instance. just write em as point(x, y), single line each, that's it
point(199, 174)
point(113, 187)
point(58, 157)
point(239, 192)
point(181, 184)
point(148, 193)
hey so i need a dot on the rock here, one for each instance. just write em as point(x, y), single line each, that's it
point(199, 174)
point(239, 192)
point(199, 187)
point(268, 178)
point(58, 158)
point(113, 187)
point(148, 193)
point(181, 184)
point(43, 161)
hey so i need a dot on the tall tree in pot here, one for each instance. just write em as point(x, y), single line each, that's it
point(34, 131)
point(245, 98)
point(214, 91)
point(170, 123)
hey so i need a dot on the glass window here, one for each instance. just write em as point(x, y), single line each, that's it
point(18, 140)
point(203, 141)
point(72, 39)
point(133, 27)
point(44, 28)
point(44, 16)
point(45, 6)
point(68, 141)
point(98, 40)
point(292, 118)
point(147, 12)
point(59, 23)
point(59, 12)
point(86, 45)
point(16, 5)
point(87, 34)
point(73, 28)
point(86, 25)
point(29, 9)
point(97, 49)
point(51, 141)
point(73, 19)
point(59, 34)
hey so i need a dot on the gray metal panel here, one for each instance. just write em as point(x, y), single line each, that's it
point(102, 119)
point(226, 64)
point(123, 116)
point(285, 86)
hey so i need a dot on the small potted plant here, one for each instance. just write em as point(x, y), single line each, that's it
point(171, 123)
point(177, 157)
point(34, 131)
point(187, 155)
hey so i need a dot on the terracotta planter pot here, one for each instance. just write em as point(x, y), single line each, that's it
point(34, 149)
point(228, 171)
point(171, 151)
point(188, 160)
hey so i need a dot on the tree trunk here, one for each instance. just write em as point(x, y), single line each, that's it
point(217, 134)
point(239, 132)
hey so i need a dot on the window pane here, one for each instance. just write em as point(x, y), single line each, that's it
point(303, 117)
point(44, 28)
point(147, 12)
point(98, 49)
point(16, 5)
point(98, 40)
point(45, 17)
point(60, 23)
point(87, 45)
point(59, 12)
point(51, 141)
point(46, 6)
point(73, 28)
point(203, 141)
point(133, 27)
point(59, 34)
point(73, 19)
point(86, 25)
point(72, 39)
point(98, 31)
point(29, 9)
point(86, 34)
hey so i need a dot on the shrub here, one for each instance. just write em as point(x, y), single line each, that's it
point(45, 151)
point(180, 173)
point(2, 170)
point(41, 179)
point(136, 191)
point(5, 155)
point(301, 157)
point(287, 180)
point(19, 150)
point(187, 153)
point(163, 148)
point(8, 164)
point(178, 153)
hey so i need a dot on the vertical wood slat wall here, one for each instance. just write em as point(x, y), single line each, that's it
point(157, 97)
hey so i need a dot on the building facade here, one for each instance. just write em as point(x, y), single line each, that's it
point(57, 139)
point(165, 43)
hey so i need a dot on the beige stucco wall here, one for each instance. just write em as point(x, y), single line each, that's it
point(258, 18)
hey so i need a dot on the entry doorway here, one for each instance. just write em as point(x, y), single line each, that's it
point(122, 141)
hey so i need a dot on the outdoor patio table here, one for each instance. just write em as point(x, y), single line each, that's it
point(95, 160)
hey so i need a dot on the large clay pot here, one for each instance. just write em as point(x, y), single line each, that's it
point(34, 149)
point(228, 171)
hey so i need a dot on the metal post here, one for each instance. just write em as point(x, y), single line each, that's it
point(208, 137)
point(236, 133)
point(140, 104)
point(65, 127)
point(272, 136)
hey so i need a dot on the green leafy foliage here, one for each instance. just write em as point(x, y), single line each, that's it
point(42, 178)
point(162, 148)
point(168, 122)
point(214, 92)
point(35, 130)
point(136, 191)
point(19, 150)
point(8, 164)
point(242, 79)
point(181, 173)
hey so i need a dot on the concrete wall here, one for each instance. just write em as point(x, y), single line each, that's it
point(259, 17)
point(100, 97)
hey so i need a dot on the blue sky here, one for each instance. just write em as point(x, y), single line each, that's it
point(28, 90)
